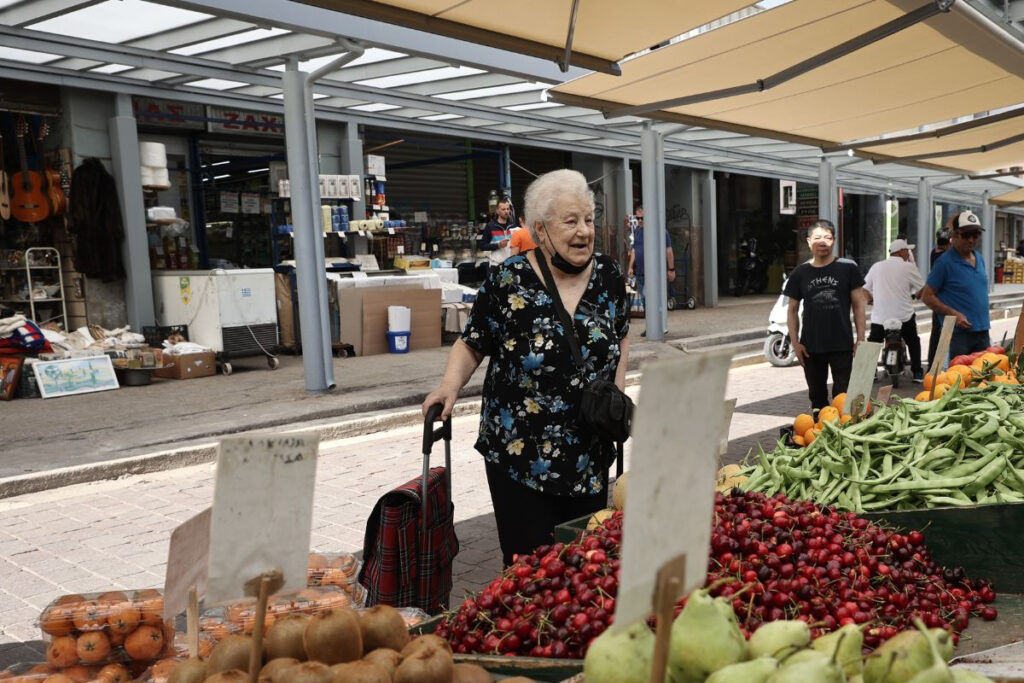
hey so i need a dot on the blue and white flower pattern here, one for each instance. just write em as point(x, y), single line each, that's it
point(532, 389)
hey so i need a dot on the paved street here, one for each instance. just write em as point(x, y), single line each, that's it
point(114, 534)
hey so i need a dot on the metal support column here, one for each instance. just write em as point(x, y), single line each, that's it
point(314, 322)
point(506, 173)
point(925, 232)
point(828, 200)
point(709, 237)
point(655, 274)
point(988, 237)
point(124, 156)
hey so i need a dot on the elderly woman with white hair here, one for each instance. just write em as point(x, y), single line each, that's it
point(543, 467)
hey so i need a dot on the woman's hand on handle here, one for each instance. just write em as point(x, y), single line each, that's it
point(462, 362)
point(441, 396)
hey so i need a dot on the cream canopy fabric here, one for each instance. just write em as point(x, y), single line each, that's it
point(945, 67)
point(1009, 199)
point(605, 29)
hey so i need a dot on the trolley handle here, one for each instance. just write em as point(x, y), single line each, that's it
point(431, 435)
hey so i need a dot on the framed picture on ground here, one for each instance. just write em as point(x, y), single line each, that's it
point(75, 376)
point(10, 375)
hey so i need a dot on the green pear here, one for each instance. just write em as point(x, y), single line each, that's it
point(849, 640)
point(755, 671)
point(944, 641)
point(819, 670)
point(968, 676)
point(898, 659)
point(620, 655)
point(938, 671)
point(805, 655)
point(855, 679)
point(776, 638)
point(705, 638)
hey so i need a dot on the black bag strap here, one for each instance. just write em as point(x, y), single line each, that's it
point(552, 288)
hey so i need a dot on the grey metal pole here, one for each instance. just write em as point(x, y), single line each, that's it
point(988, 238)
point(925, 233)
point(124, 157)
point(709, 237)
point(827, 200)
point(506, 165)
point(654, 237)
point(309, 248)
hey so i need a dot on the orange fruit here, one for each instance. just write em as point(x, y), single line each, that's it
point(80, 674)
point(93, 647)
point(941, 389)
point(929, 381)
point(799, 440)
point(89, 616)
point(62, 651)
point(845, 418)
point(58, 620)
point(828, 414)
point(961, 371)
point(978, 363)
point(114, 673)
point(123, 617)
point(809, 436)
point(145, 642)
point(838, 401)
point(923, 396)
point(802, 423)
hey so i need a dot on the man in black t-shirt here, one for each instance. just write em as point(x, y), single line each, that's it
point(829, 288)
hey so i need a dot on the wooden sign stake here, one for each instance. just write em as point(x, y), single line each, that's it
point(263, 585)
point(192, 622)
point(671, 577)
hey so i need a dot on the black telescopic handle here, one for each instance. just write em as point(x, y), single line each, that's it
point(431, 435)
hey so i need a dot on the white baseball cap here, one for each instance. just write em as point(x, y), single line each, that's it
point(899, 245)
point(968, 222)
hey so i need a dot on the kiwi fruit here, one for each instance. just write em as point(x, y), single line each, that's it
point(305, 672)
point(471, 673)
point(275, 665)
point(230, 653)
point(427, 664)
point(333, 637)
point(229, 676)
point(360, 671)
point(284, 637)
point(427, 639)
point(383, 626)
point(189, 671)
point(385, 659)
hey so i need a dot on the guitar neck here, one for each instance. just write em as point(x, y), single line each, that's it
point(23, 163)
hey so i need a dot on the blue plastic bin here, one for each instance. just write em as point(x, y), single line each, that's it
point(398, 342)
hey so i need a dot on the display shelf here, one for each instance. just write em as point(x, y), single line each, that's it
point(30, 267)
point(28, 277)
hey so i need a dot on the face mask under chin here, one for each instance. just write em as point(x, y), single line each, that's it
point(558, 262)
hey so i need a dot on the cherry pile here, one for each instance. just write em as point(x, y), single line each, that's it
point(787, 559)
point(776, 558)
point(550, 603)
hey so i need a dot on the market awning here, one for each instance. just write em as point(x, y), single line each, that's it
point(946, 65)
point(1014, 198)
point(593, 35)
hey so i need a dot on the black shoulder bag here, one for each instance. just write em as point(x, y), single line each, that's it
point(604, 409)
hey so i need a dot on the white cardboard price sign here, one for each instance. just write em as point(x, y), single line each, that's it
point(677, 431)
point(862, 377)
point(262, 511)
point(187, 563)
point(942, 350)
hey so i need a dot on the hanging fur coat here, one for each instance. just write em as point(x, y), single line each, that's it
point(95, 220)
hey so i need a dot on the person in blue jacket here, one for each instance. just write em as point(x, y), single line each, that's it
point(958, 286)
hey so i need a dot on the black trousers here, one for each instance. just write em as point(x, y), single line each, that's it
point(965, 342)
point(909, 334)
point(816, 367)
point(933, 338)
point(527, 518)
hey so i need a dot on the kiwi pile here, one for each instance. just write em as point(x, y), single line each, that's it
point(335, 646)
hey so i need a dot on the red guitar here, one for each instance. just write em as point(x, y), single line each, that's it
point(55, 196)
point(5, 187)
point(29, 204)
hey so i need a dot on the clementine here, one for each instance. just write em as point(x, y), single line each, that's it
point(62, 651)
point(93, 647)
point(145, 642)
point(838, 401)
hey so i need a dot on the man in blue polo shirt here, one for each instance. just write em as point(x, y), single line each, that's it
point(958, 286)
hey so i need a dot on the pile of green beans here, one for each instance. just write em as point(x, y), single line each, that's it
point(964, 448)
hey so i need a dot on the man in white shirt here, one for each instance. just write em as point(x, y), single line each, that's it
point(892, 285)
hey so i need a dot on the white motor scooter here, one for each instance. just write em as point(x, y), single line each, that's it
point(777, 347)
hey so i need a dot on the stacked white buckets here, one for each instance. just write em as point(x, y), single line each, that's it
point(399, 325)
point(153, 157)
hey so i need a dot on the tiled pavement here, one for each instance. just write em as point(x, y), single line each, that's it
point(114, 534)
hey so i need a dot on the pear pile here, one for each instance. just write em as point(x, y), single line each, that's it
point(707, 646)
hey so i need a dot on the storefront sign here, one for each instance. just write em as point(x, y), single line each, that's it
point(806, 205)
point(787, 197)
point(169, 114)
point(229, 202)
point(226, 120)
point(262, 511)
point(250, 202)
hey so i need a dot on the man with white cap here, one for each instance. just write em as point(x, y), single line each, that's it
point(892, 284)
point(958, 286)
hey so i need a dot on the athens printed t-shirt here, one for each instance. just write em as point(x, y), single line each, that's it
point(825, 291)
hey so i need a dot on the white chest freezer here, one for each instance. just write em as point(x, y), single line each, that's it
point(233, 312)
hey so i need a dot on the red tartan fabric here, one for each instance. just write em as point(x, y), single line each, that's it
point(397, 571)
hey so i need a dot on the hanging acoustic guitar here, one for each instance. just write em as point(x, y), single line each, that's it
point(29, 204)
point(58, 201)
point(5, 187)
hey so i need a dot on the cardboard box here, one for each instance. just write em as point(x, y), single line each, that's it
point(364, 317)
point(188, 365)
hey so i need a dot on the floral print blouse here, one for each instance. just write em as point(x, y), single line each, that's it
point(532, 389)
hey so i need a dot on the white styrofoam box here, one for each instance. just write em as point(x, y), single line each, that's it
point(446, 274)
